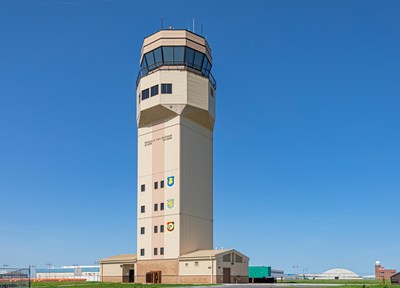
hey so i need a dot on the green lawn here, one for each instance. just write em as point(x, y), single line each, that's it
point(388, 285)
point(351, 283)
point(96, 285)
point(342, 283)
point(356, 283)
point(338, 281)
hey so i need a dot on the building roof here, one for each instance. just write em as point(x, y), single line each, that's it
point(204, 253)
point(395, 275)
point(201, 254)
point(122, 258)
point(339, 272)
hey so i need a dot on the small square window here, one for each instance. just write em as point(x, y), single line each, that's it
point(161, 206)
point(141, 252)
point(155, 185)
point(162, 251)
point(155, 207)
point(155, 229)
point(142, 209)
point(162, 184)
point(142, 230)
point(196, 263)
point(161, 228)
point(155, 251)
point(142, 188)
point(166, 89)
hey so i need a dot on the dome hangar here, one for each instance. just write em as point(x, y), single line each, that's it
point(336, 273)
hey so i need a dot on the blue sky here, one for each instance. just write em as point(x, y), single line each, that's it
point(306, 143)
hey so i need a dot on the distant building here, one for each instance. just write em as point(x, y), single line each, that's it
point(336, 273)
point(339, 273)
point(382, 273)
point(395, 279)
point(13, 274)
point(87, 273)
point(277, 274)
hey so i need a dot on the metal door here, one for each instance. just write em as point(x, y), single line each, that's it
point(132, 275)
point(226, 277)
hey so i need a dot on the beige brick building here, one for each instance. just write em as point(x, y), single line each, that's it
point(176, 95)
point(202, 266)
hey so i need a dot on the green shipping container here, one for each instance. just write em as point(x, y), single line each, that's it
point(259, 271)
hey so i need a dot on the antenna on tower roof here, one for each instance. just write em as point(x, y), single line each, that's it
point(162, 23)
point(201, 29)
point(193, 26)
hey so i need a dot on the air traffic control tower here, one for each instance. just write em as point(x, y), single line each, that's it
point(175, 118)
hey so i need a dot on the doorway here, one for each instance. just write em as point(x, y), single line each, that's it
point(131, 276)
point(153, 277)
point(226, 276)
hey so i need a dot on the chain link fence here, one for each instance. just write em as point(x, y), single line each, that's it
point(15, 278)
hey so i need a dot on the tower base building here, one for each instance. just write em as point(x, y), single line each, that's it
point(176, 108)
point(200, 267)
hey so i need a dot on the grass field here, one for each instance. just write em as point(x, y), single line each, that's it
point(342, 283)
point(338, 281)
point(94, 285)
point(97, 285)
point(353, 283)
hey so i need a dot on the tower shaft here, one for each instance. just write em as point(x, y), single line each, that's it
point(175, 117)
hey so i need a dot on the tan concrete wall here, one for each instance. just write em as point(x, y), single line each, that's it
point(189, 145)
point(212, 101)
point(197, 268)
point(111, 270)
point(197, 91)
point(197, 188)
point(117, 279)
point(178, 79)
point(156, 162)
point(187, 89)
point(175, 139)
point(237, 269)
point(205, 279)
point(169, 270)
point(241, 279)
point(175, 38)
point(165, 279)
point(162, 107)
